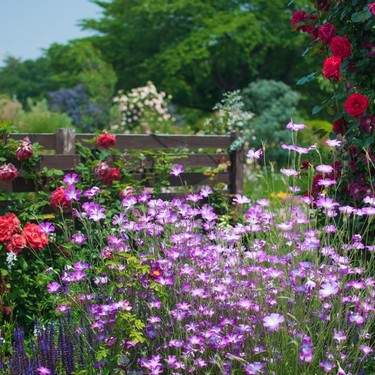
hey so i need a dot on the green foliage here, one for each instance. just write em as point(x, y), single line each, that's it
point(39, 119)
point(26, 79)
point(196, 50)
point(273, 104)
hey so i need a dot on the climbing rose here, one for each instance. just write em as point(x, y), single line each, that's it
point(8, 172)
point(16, 243)
point(106, 174)
point(339, 126)
point(340, 47)
point(367, 123)
point(106, 140)
point(59, 200)
point(356, 104)
point(326, 32)
point(9, 225)
point(35, 238)
point(25, 150)
point(332, 67)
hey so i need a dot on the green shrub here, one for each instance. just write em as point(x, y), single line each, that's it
point(40, 120)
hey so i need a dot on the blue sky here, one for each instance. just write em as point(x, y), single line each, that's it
point(28, 26)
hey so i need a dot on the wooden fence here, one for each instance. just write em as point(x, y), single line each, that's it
point(199, 151)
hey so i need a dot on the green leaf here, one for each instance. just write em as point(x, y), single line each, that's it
point(316, 109)
point(306, 79)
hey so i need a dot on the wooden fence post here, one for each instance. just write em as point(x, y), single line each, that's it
point(236, 168)
point(66, 141)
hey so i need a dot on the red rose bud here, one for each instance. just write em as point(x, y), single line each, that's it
point(299, 19)
point(25, 150)
point(59, 200)
point(331, 68)
point(339, 126)
point(356, 104)
point(340, 47)
point(106, 140)
point(326, 32)
point(8, 172)
point(367, 123)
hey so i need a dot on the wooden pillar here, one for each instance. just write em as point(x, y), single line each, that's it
point(236, 168)
point(66, 141)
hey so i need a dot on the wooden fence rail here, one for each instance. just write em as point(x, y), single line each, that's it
point(199, 151)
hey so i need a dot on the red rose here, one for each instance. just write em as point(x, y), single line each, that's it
point(339, 126)
point(9, 225)
point(35, 238)
point(106, 174)
point(16, 244)
point(106, 140)
point(8, 172)
point(331, 68)
point(326, 32)
point(356, 104)
point(340, 47)
point(371, 8)
point(59, 200)
point(299, 19)
point(25, 150)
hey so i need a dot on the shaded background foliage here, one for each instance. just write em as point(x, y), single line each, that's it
point(193, 50)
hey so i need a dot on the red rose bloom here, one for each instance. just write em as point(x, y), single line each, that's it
point(339, 126)
point(326, 32)
point(35, 238)
point(59, 200)
point(371, 8)
point(9, 225)
point(356, 104)
point(8, 172)
point(25, 150)
point(106, 174)
point(340, 47)
point(16, 244)
point(106, 140)
point(331, 68)
point(299, 19)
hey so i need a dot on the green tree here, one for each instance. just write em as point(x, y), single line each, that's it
point(26, 79)
point(196, 49)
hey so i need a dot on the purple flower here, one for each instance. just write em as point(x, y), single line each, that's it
point(53, 287)
point(306, 351)
point(73, 194)
point(339, 336)
point(43, 371)
point(323, 168)
point(90, 193)
point(328, 289)
point(333, 142)
point(254, 155)
point(79, 238)
point(296, 127)
point(46, 227)
point(176, 170)
point(71, 179)
point(273, 321)
point(289, 172)
point(255, 368)
point(327, 366)
point(366, 349)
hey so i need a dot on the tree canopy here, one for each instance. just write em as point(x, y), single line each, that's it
point(196, 49)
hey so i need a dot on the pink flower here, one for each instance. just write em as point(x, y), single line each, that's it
point(329, 288)
point(273, 321)
point(251, 154)
point(176, 170)
point(296, 127)
point(371, 8)
point(8, 172)
point(25, 150)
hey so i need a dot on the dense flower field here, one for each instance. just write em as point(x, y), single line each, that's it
point(173, 287)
